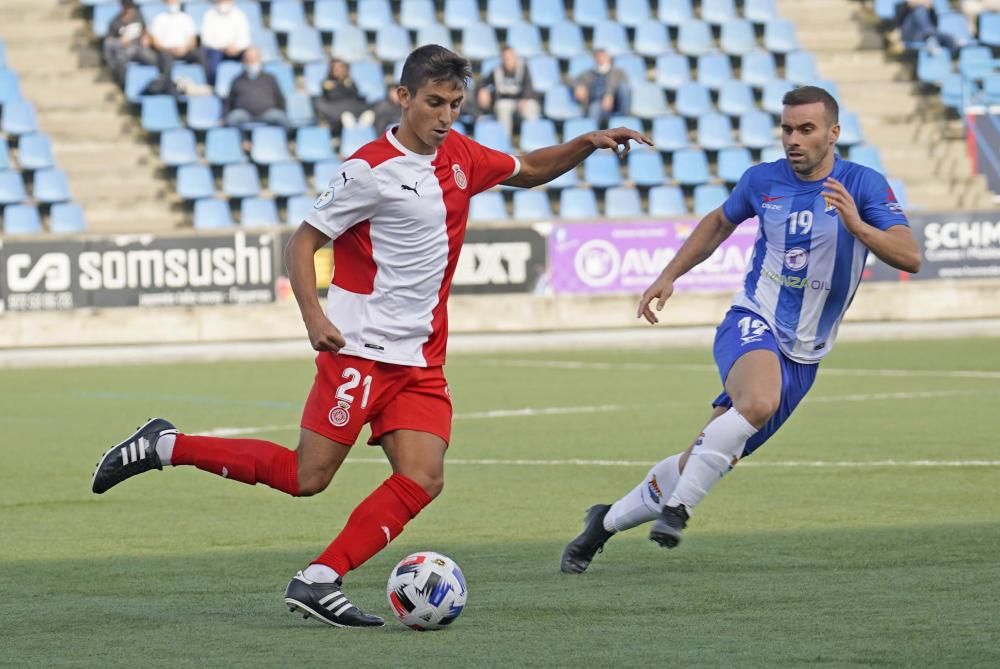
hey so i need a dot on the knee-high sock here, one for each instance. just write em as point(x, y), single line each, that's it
point(644, 502)
point(374, 523)
point(247, 460)
point(714, 454)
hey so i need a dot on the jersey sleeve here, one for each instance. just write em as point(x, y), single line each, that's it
point(349, 199)
point(878, 205)
point(490, 167)
point(738, 207)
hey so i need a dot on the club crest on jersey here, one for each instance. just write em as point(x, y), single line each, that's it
point(324, 199)
point(796, 258)
point(340, 415)
point(460, 179)
point(829, 206)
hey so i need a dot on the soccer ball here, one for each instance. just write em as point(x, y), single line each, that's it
point(426, 591)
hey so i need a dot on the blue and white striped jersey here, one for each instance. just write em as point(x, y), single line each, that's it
point(806, 266)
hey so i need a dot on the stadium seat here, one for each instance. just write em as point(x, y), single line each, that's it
point(159, 113)
point(975, 61)
point(240, 180)
point(633, 13)
point(225, 75)
point(771, 153)
point(577, 203)
point(526, 39)
point(715, 131)
point(955, 25)
point(648, 101)
point(714, 70)
point(258, 212)
point(10, 86)
point(694, 38)
point(590, 13)
point(5, 162)
point(328, 15)
point(735, 97)
point(850, 129)
point(574, 127)
point(267, 42)
point(211, 213)
point(150, 10)
point(460, 14)
point(991, 89)
point(759, 11)
point(708, 197)
point(732, 163)
point(488, 206)
point(779, 36)
point(19, 118)
point(370, 79)
point(352, 139)
point(479, 41)
point(651, 39)
point(22, 219)
point(313, 143)
point(559, 103)
point(305, 45)
point(565, 40)
point(285, 74)
point(989, 29)
point(299, 108)
point(955, 92)
point(627, 121)
point(544, 71)
point(269, 144)
point(531, 205)
point(568, 179)
point(622, 202)
point(692, 100)
point(287, 15)
point(886, 9)
point(612, 38)
point(433, 34)
point(66, 218)
point(546, 13)
point(392, 42)
point(192, 73)
point(737, 37)
point(204, 112)
point(537, 134)
point(504, 13)
point(602, 170)
point(867, 155)
point(195, 182)
point(178, 147)
point(757, 68)
point(12, 187)
point(717, 12)
point(286, 179)
point(196, 10)
point(933, 65)
point(579, 64)
point(137, 78)
point(34, 152)
point(50, 185)
point(103, 16)
point(223, 146)
point(772, 95)
point(675, 12)
point(492, 133)
point(349, 44)
point(672, 71)
point(645, 167)
point(689, 167)
point(375, 14)
point(800, 67)
point(252, 9)
point(756, 129)
point(297, 208)
point(670, 133)
point(667, 202)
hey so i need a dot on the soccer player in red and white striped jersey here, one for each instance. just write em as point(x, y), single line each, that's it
point(397, 212)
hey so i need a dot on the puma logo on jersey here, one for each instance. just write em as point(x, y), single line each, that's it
point(346, 178)
point(413, 187)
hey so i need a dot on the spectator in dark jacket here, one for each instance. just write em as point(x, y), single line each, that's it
point(388, 111)
point(604, 90)
point(507, 92)
point(340, 103)
point(127, 41)
point(255, 96)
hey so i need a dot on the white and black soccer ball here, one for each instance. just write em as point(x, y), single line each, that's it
point(426, 590)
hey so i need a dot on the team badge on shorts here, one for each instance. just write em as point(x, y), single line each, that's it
point(324, 199)
point(340, 415)
point(460, 179)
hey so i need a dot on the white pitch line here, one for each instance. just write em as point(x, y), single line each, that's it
point(805, 464)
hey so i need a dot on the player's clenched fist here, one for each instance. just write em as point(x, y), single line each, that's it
point(324, 335)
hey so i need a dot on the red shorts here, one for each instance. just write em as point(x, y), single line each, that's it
point(350, 391)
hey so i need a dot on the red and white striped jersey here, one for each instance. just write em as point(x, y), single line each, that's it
point(398, 219)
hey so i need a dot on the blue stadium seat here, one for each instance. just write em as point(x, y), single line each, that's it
point(328, 15)
point(886, 9)
point(204, 112)
point(240, 180)
point(299, 108)
point(590, 13)
point(349, 44)
point(633, 66)
point(645, 167)
point(150, 10)
point(850, 129)
point(651, 39)
point(537, 134)
point(732, 163)
point(286, 179)
point(689, 167)
point(975, 61)
point(223, 146)
point(667, 202)
point(774, 92)
point(257, 212)
point(577, 203)
point(933, 65)
point(197, 11)
point(526, 39)
point(34, 152)
point(694, 38)
point(989, 29)
point(648, 101)
point(211, 213)
point(252, 9)
point(352, 139)
point(287, 15)
point(66, 218)
point(103, 16)
point(633, 13)
point(488, 206)
point(269, 144)
point(374, 14)
point(708, 197)
point(714, 70)
point(12, 187)
point(757, 68)
point(565, 40)
point(714, 131)
point(5, 163)
point(461, 13)
point(672, 71)
point(717, 12)
point(544, 71)
point(955, 24)
point(756, 129)
point(159, 113)
point(675, 12)
point(546, 13)
point(19, 118)
point(479, 41)
point(195, 182)
point(531, 205)
point(576, 126)
point(487, 65)
point(759, 11)
point(137, 78)
point(225, 75)
point(433, 34)
point(670, 133)
point(622, 202)
point(190, 72)
point(769, 154)
point(50, 185)
point(392, 42)
point(285, 74)
point(313, 143)
point(178, 147)
point(305, 45)
point(800, 67)
point(612, 38)
point(297, 208)
point(779, 36)
point(867, 155)
point(692, 100)
point(737, 37)
point(559, 103)
point(579, 64)
point(955, 91)
point(313, 75)
point(492, 133)
point(602, 170)
point(991, 89)
point(22, 219)
point(626, 121)
point(267, 42)
point(565, 180)
point(735, 97)
point(504, 13)
point(323, 172)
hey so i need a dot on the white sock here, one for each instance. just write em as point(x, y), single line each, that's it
point(320, 573)
point(645, 501)
point(165, 447)
point(714, 454)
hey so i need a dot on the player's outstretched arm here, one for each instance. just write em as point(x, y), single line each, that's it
point(712, 230)
point(544, 165)
point(299, 253)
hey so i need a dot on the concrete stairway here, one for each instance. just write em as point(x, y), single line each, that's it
point(917, 141)
point(113, 171)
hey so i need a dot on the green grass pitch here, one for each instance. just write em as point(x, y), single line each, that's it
point(850, 563)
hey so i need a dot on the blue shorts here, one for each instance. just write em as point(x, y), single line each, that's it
point(742, 331)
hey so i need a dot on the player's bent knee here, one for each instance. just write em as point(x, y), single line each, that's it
point(758, 410)
point(432, 484)
point(314, 482)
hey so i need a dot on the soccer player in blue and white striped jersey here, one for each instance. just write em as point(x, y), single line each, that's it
point(819, 217)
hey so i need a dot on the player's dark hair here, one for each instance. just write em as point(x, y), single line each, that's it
point(807, 95)
point(435, 64)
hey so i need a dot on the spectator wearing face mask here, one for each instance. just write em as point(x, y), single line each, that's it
point(225, 35)
point(604, 90)
point(255, 96)
point(174, 36)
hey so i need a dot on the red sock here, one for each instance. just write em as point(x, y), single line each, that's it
point(374, 523)
point(247, 460)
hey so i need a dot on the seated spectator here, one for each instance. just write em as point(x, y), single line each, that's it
point(507, 92)
point(225, 35)
point(127, 41)
point(917, 23)
point(973, 8)
point(175, 37)
point(340, 103)
point(604, 90)
point(255, 96)
point(388, 111)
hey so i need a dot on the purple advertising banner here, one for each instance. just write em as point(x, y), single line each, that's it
point(626, 257)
